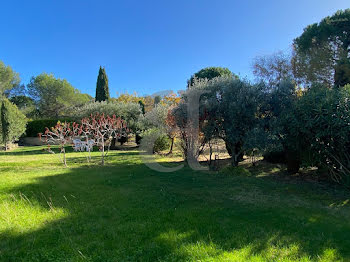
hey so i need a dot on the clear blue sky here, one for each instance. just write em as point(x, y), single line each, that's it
point(148, 46)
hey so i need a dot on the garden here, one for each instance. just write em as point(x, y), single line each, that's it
point(228, 169)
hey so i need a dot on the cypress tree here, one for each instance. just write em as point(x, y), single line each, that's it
point(142, 105)
point(4, 124)
point(102, 90)
point(12, 122)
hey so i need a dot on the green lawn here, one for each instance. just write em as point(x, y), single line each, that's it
point(127, 212)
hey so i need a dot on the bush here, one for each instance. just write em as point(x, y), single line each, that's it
point(234, 171)
point(35, 127)
point(13, 122)
point(322, 127)
point(162, 142)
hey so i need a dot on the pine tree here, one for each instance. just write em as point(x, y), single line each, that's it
point(102, 90)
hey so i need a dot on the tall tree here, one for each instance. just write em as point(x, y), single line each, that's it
point(102, 90)
point(54, 96)
point(9, 81)
point(322, 51)
point(272, 69)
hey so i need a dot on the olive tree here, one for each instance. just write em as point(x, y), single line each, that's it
point(237, 104)
point(228, 109)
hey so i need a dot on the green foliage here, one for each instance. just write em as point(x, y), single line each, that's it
point(37, 126)
point(322, 51)
point(272, 69)
point(156, 117)
point(279, 114)
point(313, 129)
point(210, 73)
point(13, 122)
point(231, 108)
point(161, 140)
point(279, 119)
point(162, 143)
point(234, 171)
point(26, 105)
point(54, 97)
point(157, 100)
point(322, 126)
point(102, 89)
point(9, 80)
point(342, 72)
point(228, 109)
point(142, 105)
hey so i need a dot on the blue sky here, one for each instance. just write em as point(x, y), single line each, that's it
point(148, 46)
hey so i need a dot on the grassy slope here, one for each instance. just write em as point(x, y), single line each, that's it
point(127, 212)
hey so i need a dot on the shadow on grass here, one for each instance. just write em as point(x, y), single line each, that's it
point(36, 150)
point(127, 212)
point(24, 151)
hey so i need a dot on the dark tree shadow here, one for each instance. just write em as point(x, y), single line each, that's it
point(127, 212)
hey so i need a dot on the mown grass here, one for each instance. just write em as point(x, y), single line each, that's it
point(124, 211)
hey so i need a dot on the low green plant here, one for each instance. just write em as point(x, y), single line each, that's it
point(234, 171)
point(158, 139)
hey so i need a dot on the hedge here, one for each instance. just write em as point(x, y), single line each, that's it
point(35, 127)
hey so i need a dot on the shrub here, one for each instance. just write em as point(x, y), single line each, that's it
point(162, 143)
point(12, 124)
point(161, 140)
point(323, 129)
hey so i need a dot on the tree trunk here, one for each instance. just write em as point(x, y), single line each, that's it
point(171, 146)
point(64, 157)
point(103, 153)
point(234, 160)
point(113, 143)
point(235, 151)
point(293, 161)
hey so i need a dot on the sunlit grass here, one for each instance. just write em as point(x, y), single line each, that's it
point(124, 211)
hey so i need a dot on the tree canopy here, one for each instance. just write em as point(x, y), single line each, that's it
point(53, 96)
point(9, 80)
point(322, 51)
point(272, 69)
point(210, 73)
